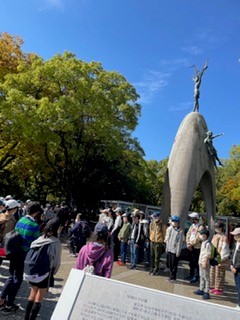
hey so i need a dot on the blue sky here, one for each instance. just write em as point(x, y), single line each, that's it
point(152, 43)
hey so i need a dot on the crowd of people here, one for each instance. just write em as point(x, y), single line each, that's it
point(126, 238)
point(148, 239)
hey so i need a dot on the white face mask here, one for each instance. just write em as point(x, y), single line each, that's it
point(174, 224)
point(203, 237)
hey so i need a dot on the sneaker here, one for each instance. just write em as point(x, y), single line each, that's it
point(238, 307)
point(8, 310)
point(120, 263)
point(212, 290)
point(218, 292)
point(166, 270)
point(199, 292)
point(151, 272)
point(133, 267)
point(206, 296)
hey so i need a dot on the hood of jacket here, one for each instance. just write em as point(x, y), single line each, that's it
point(41, 241)
point(95, 251)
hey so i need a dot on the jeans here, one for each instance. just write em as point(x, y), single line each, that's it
point(14, 281)
point(123, 248)
point(237, 283)
point(134, 253)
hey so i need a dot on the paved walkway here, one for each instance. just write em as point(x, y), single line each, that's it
point(138, 277)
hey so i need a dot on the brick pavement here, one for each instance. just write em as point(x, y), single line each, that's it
point(138, 277)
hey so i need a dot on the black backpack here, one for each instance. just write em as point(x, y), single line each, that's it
point(12, 243)
point(37, 261)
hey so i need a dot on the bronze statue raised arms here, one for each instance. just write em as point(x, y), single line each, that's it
point(197, 79)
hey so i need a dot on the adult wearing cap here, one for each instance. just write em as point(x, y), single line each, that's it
point(97, 253)
point(136, 238)
point(8, 219)
point(40, 285)
point(115, 231)
point(157, 232)
point(235, 262)
point(222, 253)
point(29, 231)
point(123, 237)
point(194, 246)
point(173, 240)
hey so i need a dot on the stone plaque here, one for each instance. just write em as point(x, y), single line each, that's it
point(87, 297)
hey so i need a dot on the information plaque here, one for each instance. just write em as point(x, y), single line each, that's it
point(88, 297)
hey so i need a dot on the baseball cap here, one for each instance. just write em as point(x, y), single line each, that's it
point(194, 215)
point(118, 209)
point(11, 204)
point(8, 197)
point(156, 214)
point(175, 218)
point(235, 232)
point(219, 225)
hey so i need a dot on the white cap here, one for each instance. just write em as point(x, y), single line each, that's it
point(12, 204)
point(118, 209)
point(194, 215)
point(8, 197)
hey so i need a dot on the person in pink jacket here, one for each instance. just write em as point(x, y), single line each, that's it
point(97, 253)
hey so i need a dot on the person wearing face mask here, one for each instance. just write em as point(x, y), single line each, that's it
point(28, 228)
point(173, 240)
point(193, 246)
point(221, 247)
point(204, 265)
point(157, 233)
point(235, 263)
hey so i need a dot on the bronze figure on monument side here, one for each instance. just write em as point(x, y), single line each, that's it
point(211, 150)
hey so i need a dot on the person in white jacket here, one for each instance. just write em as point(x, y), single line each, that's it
point(40, 285)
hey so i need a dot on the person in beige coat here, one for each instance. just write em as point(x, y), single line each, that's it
point(194, 246)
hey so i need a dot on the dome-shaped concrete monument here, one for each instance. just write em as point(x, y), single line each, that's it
point(191, 163)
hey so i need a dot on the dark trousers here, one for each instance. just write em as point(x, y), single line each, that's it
point(14, 281)
point(193, 262)
point(116, 245)
point(237, 283)
point(172, 262)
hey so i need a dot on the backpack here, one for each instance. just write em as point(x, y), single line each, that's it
point(12, 245)
point(37, 263)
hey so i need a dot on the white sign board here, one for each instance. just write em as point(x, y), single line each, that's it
point(88, 297)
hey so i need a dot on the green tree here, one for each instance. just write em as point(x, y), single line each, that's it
point(228, 184)
point(71, 121)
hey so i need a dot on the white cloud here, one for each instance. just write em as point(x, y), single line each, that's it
point(181, 106)
point(193, 50)
point(151, 84)
point(52, 4)
point(209, 36)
